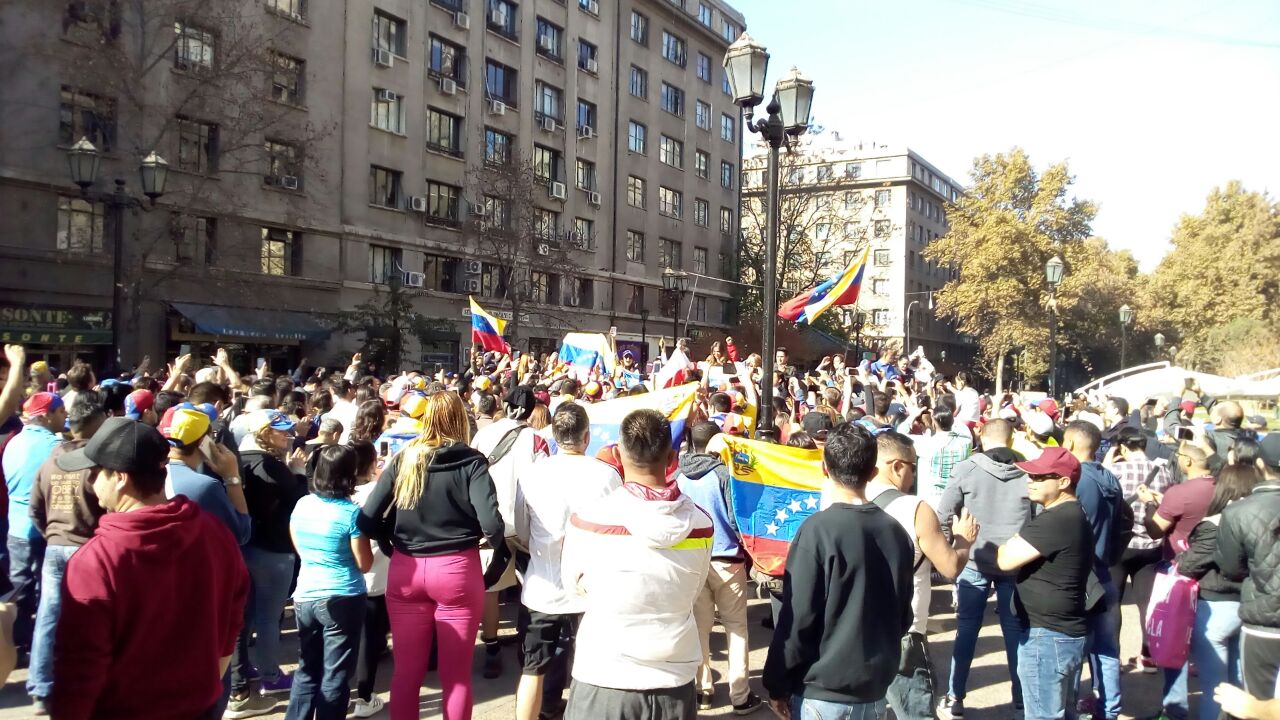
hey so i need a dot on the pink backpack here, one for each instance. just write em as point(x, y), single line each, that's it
point(1171, 616)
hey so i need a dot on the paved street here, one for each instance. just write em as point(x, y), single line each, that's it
point(989, 690)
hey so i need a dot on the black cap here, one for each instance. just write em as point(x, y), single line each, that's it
point(122, 445)
point(817, 424)
point(521, 397)
point(1269, 449)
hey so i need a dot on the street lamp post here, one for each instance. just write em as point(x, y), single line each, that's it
point(644, 339)
point(1126, 317)
point(676, 282)
point(83, 160)
point(1053, 270)
point(747, 63)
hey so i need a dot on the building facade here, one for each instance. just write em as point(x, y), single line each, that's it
point(320, 153)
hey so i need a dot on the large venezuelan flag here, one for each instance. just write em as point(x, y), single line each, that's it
point(840, 290)
point(773, 489)
point(486, 330)
point(606, 417)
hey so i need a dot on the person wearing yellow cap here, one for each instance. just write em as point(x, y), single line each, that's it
point(40, 377)
point(185, 432)
point(406, 427)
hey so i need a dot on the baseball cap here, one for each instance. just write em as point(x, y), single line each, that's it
point(592, 389)
point(259, 420)
point(39, 366)
point(1048, 406)
point(1053, 461)
point(1256, 422)
point(1188, 407)
point(122, 445)
point(186, 427)
point(817, 424)
point(1269, 450)
point(41, 403)
point(137, 403)
point(521, 397)
point(1039, 423)
point(483, 382)
point(414, 405)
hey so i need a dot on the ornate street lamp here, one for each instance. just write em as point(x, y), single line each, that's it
point(155, 175)
point(1126, 317)
point(1053, 270)
point(676, 282)
point(83, 160)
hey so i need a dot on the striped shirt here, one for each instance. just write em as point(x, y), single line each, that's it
point(1141, 470)
point(938, 455)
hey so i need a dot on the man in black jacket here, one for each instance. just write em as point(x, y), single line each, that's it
point(1249, 550)
point(847, 596)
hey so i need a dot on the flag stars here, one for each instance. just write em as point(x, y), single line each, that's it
point(781, 515)
point(811, 502)
point(794, 505)
point(773, 529)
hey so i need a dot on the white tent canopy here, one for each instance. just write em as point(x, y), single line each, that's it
point(1136, 384)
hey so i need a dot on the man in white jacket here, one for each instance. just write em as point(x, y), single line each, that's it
point(640, 556)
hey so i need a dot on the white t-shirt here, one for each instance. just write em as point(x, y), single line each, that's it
point(376, 579)
point(344, 411)
point(903, 510)
point(504, 472)
point(968, 408)
point(547, 493)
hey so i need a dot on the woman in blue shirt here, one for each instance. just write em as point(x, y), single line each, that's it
point(330, 597)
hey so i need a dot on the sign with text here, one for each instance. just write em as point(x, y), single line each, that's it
point(41, 325)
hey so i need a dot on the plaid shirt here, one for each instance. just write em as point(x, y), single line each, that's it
point(937, 456)
point(1132, 473)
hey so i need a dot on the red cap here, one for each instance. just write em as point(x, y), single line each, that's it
point(1048, 406)
point(1188, 407)
point(41, 403)
point(1053, 461)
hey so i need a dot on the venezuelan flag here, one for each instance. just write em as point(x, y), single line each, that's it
point(486, 330)
point(840, 290)
point(606, 417)
point(773, 489)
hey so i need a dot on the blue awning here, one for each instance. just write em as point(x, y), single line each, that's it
point(253, 323)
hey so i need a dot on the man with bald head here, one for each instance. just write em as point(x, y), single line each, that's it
point(1230, 417)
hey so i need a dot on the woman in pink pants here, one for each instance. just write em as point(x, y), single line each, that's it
point(435, 502)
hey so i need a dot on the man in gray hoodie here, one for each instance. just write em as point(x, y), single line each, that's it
point(995, 493)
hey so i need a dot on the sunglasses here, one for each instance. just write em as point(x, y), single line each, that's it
point(1042, 478)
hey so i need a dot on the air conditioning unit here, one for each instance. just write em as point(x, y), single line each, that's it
point(417, 204)
point(472, 267)
point(558, 190)
point(448, 86)
point(415, 279)
point(549, 124)
point(479, 209)
point(593, 7)
point(544, 249)
point(497, 18)
point(593, 65)
point(497, 107)
point(462, 20)
point(546, 44)
point(586, 132)
point(471, 285)
point(385, 95)
point(594, 198)
point(383, 58)
point(289, 182)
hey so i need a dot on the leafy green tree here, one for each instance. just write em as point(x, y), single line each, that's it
point(388, 320)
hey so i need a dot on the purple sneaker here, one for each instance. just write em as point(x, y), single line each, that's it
point(280, 686)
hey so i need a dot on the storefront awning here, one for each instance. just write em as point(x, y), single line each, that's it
point(253, 323)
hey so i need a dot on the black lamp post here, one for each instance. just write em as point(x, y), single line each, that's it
point(676, 282)
point(644, 336)
point(1053, 270)
point(1126, 317)
point(83, 160)
point(747, 63)
point(855, 320)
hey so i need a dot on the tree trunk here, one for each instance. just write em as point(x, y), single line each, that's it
point(1000, 377)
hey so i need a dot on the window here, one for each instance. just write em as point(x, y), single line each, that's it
point(277, 251)
point(384, 187)
point(635, 246)
point(728, 131)
point(287, 79)
point(672, 100)
point(726, 174)
point(726, 220)
point(673, 48)
point(852, 199)
point(501, 18)
point(283, 160)
point(447, 60)
point(635, 299)
point(824, 173)
point(671, 152)
point(635, 192)
point(796, 176)
point(500, 82)
point(546, 164)
point(882, 198)
point(80, 225)
point(444, 132)
point(704, 14)
point(442, 202)
point(292, 8)
point(591, 6)
point(725, 87)
point(548, 102)
point(86, 115)
point(587, 114)
point(585, 231)
point(640, 28)
point(388, 33)
point(701, 163)
point(497, 147)
point(493, 280)
point(580, 292)
point(193, 48)
point(387, 111)
point(729, 32)
point(636, 137)
point(703, 68)
point(639, 83)
point(384, 264)
point(853, 171)
point(549, 39)
point(700, 260)
point(546, 224)
point(699, 308)
point(881, 228)
point(850, 230)
point(879, 317)
point(670, 254)
point(670, 202)
point(586, 174)
point(881, 258)
point(702, 115)
point(543, 287)
point(588, 56)
point(190, 233)
point(701, 212)
point(497, 213)
point(441, 272)
point(197, 146)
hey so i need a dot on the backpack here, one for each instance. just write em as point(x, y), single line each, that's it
point(1122, 521)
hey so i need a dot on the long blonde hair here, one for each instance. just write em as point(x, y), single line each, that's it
point(444, 423)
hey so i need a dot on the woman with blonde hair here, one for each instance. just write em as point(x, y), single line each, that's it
point(435, 502)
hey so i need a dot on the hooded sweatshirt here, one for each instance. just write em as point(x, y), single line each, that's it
point(1099, 493)
point(271, 490)
point(705, 479)
point(150, 605)
point(995, 492)
point(640, 557)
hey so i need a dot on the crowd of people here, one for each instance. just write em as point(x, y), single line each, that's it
point(165, 527)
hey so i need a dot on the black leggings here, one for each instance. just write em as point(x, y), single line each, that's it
point(1137, 568)
point(373, 644)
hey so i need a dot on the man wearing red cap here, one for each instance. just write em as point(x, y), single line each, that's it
point(1053, 555)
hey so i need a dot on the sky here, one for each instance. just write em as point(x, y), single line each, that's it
point(1152, 103)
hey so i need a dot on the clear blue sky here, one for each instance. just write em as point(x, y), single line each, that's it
point(1152, 102)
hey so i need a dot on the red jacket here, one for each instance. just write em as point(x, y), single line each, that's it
point(149, 606)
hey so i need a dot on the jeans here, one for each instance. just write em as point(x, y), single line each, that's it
point(373, 643)
point(803, 708)
point(271, 574)
point(972, 587)
point(1103, 647)
point(1049, 668)
point(726, 591)
point(328, 643)
point(1215, 649)
point(40, 679)
point(1260, 661)
point(26, 556)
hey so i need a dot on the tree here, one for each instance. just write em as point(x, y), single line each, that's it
point(1242, 347)
point(387, 319)
point(1101, 280)
point(1002, 230)
point(1224, 266)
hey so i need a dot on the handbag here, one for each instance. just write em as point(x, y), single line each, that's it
point(1171, 616)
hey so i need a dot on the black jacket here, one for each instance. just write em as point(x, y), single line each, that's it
point(1249, 550)
point(1197, 562)
point(271, 490)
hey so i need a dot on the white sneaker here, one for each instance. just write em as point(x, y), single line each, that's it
point(369, 708)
